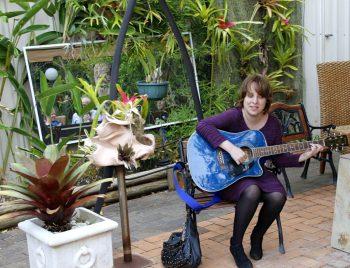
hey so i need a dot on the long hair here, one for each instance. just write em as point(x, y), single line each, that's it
point(264, 89)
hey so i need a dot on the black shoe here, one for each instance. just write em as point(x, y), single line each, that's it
point(256, 252)
point(241, 259)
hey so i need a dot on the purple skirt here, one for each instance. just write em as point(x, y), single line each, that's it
point(268, 183)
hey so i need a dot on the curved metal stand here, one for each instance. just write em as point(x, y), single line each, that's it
point(108, 172)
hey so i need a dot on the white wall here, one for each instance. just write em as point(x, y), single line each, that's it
point(9, 97)
point(328, 40)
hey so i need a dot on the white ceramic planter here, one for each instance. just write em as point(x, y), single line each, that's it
point(83, 247)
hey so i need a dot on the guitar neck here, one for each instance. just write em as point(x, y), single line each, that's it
point(284, 148)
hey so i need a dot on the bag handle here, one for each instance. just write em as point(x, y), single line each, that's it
point(188, 199)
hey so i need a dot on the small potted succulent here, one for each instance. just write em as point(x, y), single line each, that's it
point(63, 234)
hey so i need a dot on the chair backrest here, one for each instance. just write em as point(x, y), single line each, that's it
point(183, 149)
point(334, 86)
point(295, 125)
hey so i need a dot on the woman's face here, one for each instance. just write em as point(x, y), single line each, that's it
point(254, 104)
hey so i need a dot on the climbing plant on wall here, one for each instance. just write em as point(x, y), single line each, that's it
point(231, 39)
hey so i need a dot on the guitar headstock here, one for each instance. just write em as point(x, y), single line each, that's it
point(336, 142)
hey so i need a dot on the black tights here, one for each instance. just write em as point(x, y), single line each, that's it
point(246, 207)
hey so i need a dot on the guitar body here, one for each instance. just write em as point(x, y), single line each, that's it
point(213, 169)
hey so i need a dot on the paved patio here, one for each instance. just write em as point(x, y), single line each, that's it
point(307, 224)
point(306, 221)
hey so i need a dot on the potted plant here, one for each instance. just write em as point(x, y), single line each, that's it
point(63, 234)
point(153, 86)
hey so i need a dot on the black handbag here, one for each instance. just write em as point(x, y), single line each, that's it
point(182, 249)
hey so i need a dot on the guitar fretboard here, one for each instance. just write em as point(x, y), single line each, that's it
point(284, 148)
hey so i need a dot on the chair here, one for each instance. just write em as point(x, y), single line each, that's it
point(202, 197)
point(334, 87)
point(296, 127)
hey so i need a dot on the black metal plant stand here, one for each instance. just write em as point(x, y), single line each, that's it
point(120, 170)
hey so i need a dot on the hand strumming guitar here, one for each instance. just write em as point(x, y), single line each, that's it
point(237, 154)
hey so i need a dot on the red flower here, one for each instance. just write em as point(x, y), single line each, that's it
point(225, 24)
point(285, 21)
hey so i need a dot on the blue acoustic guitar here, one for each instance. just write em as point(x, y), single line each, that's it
point(213, 169)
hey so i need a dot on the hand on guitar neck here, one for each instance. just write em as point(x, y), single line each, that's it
point(313, 151)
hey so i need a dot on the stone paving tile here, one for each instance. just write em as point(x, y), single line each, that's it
point(307, 233)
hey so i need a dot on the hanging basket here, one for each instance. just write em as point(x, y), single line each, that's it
point(154, 91)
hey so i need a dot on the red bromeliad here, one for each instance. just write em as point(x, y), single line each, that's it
point(225, 24)
point(125, 98)
point(49, 187)
point(133, 101)
point(285, 22)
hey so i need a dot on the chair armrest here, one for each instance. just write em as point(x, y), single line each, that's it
point(326, 128)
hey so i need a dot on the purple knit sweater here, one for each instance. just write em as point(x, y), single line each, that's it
point(232, 121)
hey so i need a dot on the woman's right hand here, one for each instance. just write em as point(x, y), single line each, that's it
point(237, 154)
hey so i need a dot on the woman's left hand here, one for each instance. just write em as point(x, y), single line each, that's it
point(312, 151)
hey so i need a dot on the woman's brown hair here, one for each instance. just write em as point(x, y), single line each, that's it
point(264, 89)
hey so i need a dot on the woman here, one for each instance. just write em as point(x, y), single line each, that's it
point(252, 114)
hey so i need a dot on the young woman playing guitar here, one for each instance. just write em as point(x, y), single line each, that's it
point(251, 114)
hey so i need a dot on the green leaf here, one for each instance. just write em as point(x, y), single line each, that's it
point(15, 194)
point(51, 152)
point(64, 141)
point(22, 3)
point(85, 199)
point(12, 14)
point(20, 91)
point(280, 36)
point(19, 168)
point(8, 46)
point(289, 74)
point(46, 103)
point(37, 142)
point(32, 28)
point(275, 24)
point(50, 10)
point(47, 37)
point(77, 174)
point(19, 189)
point(33, 151)
point(43, 88)
point(292, 67)
point(54, 91)
point(87, 187)
point(28, 15)
point(76, 95)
